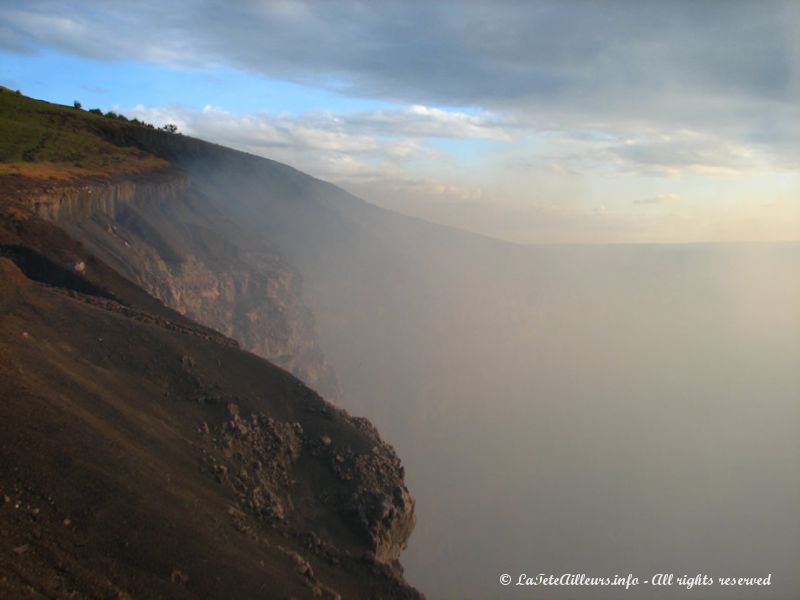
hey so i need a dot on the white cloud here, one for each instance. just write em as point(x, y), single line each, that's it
point(660, 199)
point(654, 152)
point(327, 144)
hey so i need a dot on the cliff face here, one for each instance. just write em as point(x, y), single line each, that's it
point(145, 456)
point(164, 234)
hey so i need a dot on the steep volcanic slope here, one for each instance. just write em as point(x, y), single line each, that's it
point(144, 456)
point(558, 408)
point(159, 230)
point(163, 234)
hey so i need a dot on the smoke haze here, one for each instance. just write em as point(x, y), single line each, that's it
point(585, 409)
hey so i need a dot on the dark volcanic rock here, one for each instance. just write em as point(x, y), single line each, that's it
point(370, 493)
point(145, 456)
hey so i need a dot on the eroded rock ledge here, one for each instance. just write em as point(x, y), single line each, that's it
point(164, 235)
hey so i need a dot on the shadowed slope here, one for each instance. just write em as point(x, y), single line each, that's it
point(144, 456)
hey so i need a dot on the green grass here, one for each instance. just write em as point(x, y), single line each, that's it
point(43, 140)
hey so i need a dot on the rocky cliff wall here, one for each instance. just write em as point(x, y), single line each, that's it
point(165, 235)
point(69, 203)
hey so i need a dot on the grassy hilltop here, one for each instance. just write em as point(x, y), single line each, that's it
point(51, 141)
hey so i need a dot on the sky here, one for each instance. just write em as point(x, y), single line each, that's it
point(536, 122)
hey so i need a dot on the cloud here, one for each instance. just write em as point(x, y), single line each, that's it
point(367, 151)
point(423, 121)
point(352, 131)
point(728, 69)
point(275, 136)
point(665, 152)
point(686, 152)
point(594, 58)
point(660, 199)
